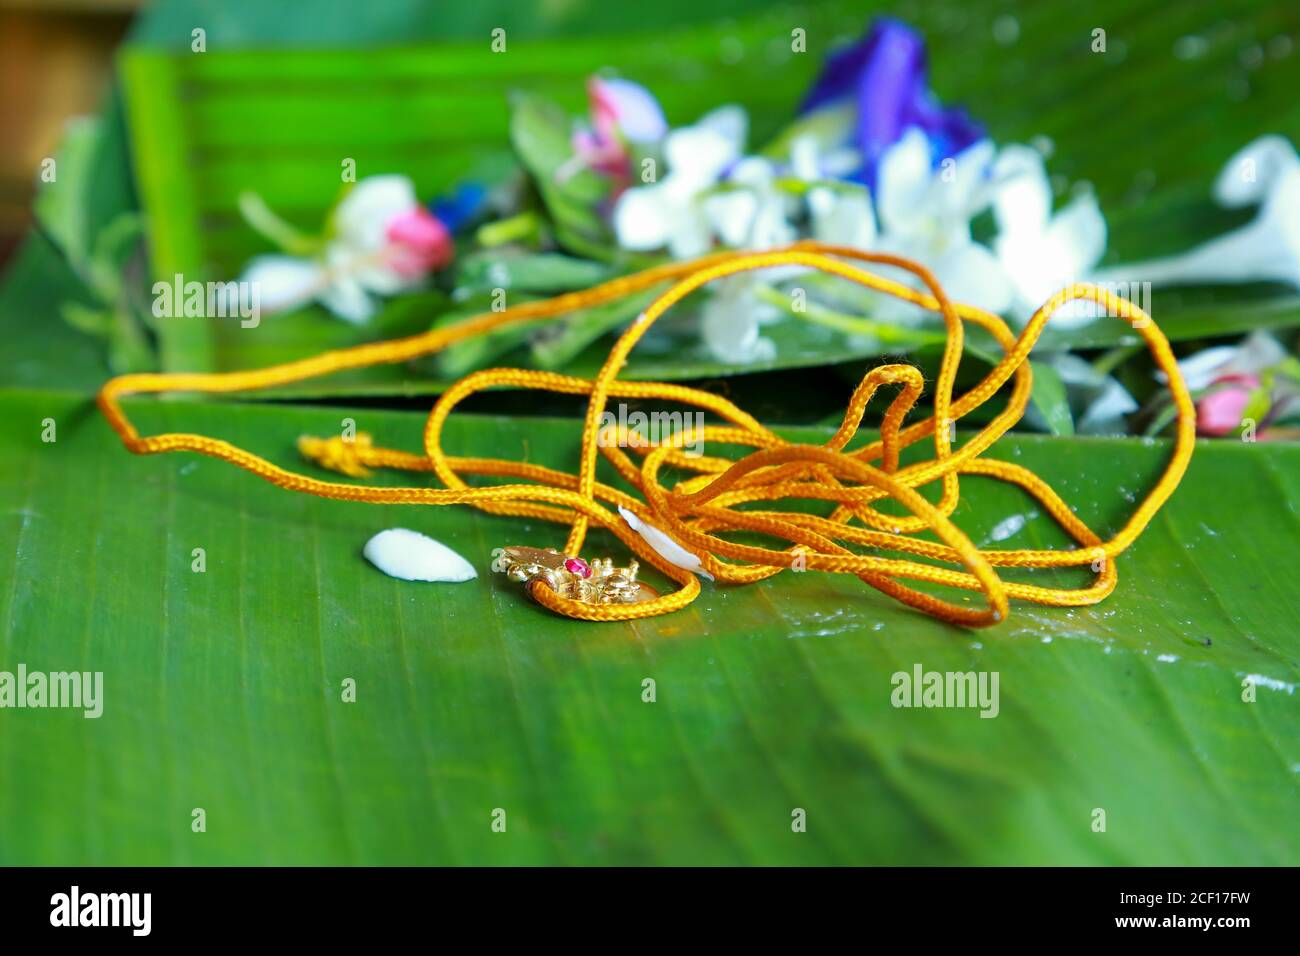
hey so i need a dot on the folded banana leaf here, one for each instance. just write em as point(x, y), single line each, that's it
point(1166, 714)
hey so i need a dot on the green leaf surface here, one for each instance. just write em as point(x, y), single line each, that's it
point(541, 132)
point(534, 274)
point(222, 689)
point(42, 349)
point(1051, 400)
point(61, 204)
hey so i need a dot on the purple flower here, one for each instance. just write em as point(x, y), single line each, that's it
point(886, 72)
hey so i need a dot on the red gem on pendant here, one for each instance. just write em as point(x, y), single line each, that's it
point(577, 566)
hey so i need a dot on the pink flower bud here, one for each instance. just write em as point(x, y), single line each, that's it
point(418, 243)
point(604, 155)
point(1219, 413)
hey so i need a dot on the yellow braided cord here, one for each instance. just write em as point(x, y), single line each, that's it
point(696, 510)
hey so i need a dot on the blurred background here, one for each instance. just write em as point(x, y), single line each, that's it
point(56, 61)
point(56, 57)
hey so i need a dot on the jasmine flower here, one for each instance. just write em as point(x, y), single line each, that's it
point(383, 242)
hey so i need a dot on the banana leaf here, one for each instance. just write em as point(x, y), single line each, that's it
point(223, 690)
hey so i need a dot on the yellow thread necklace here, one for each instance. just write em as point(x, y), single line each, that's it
point(694, 511)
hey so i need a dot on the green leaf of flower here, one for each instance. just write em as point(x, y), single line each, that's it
point(540, 131)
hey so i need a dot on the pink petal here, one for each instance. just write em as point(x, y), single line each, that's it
point(605, 156)
point(1219, 413)
point(418, 242)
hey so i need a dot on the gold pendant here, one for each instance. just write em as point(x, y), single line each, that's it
point(596, 583)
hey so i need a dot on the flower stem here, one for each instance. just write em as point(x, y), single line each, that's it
point(262, 218)
point(524, 225)
point(848, 324)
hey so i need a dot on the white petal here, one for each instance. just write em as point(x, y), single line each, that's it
point(1249, 175)
point(1077, 237)
point(362, 218)
point(763, 221)
point(1022, 195)
point(771, 228)
point(347, 299)
point(636, 111)
point(970, 273)
point(1106, 412)
point(284, 281)
point(753, 171)
point(731, 123)
point(668, 549)
point(967, 190)
point(1202, 368)
point(642, 218)
point(385, 281)
point(698, 155)
point(366, 268)
point(840, 163)
point(412, 556)
point(1281, 213)
point(691, 233)
point(1257, 252)
point(804, 158)
point(1042, 263)
point(1267, 249)
point(743, 345)
point(842, 219)
point(904, 178)
point(822, 203)
point(729, 324)
point(732, 214)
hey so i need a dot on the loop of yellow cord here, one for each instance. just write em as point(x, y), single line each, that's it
point(726, 495)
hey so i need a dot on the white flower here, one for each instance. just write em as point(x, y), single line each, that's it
point(284, 282)
point(1041, 252)
point(842, 216)
point(411, 556)
point(1267, 249)
point(925, 214)
point(384, 242)
point(730, 320)
point(361, 224)
point(751, 214)
point(839, 214)
point(812, 160)
point(1249, 176)
point(669, 213)
point(686, 212)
